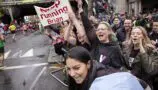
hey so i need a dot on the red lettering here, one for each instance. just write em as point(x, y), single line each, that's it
point(57, 2)
point(56, 20)
point(60, 10)
point(59, 19)
point(50, 21)
point(55, 13)
point(65, 8)
point(43, 10)
point(42, 16)
point(52, 6)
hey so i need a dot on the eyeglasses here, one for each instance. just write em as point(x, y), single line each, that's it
point(102, 29)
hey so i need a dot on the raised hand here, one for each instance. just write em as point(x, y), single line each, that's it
point(142, 50)
point(153, 42)
point(79, 2)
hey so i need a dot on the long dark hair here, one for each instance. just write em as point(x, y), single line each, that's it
point(81, 54)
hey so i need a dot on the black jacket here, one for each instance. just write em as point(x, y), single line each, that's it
point(121, 35)
point(114, 57)
point(154, 36)
point(112, 54)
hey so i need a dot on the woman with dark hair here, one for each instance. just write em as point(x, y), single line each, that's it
point(86, 74)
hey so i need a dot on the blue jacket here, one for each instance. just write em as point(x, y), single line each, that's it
point(116, 81)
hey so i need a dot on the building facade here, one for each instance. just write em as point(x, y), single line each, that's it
point(121, 6)
point(134, 7)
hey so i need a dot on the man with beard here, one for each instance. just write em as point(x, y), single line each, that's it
point(123, 33)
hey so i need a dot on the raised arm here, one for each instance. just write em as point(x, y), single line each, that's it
point(89, 28)
point(81, 34)
point(69, 35)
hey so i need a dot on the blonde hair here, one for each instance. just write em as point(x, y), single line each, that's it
point(106, 24)
point(112, 36)
point(146, 41)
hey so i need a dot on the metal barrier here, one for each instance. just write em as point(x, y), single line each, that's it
point(55, 77)
point(56, 59)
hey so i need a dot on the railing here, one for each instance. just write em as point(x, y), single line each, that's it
point(20, 2)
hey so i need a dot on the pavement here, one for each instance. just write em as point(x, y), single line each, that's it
point(53, 57)
point(31, 64)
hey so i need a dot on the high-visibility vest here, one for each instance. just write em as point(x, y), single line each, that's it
point(12, 27)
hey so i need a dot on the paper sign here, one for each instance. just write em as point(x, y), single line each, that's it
point(53, 14)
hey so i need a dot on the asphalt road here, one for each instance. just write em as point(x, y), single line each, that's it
point(26, 64)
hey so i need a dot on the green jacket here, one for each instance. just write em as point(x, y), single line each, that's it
point(144, 65)
point(1, 43)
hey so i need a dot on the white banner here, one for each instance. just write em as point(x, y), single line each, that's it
point(53, 14)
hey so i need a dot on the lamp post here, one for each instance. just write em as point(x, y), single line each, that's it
point(10, 10)
point(10, 13)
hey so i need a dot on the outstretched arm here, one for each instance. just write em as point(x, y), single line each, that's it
point(69, 35)
point(89, 29)
point(81, 34)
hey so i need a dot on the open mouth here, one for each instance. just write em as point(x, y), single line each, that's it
point(77, 79)
point(100, 35)
point(135, 40)
point(127, 27)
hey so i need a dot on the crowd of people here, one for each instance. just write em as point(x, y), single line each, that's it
point(12, 29)
point(119, 53)
point(112, 52)
point(14, 26)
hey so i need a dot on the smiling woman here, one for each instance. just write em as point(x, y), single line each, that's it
point(104, 32)
point(141, 54)
point(86, 74)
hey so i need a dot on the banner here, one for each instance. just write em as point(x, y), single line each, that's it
point(53, 14)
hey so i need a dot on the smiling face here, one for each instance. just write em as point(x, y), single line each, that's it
point(136, 35)
point(102, 33)
point(77, 70)
point(128, 24)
